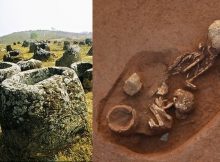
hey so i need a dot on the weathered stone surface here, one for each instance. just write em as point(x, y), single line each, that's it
point(29, 64)
point(90, 52)
point(82, 43)
point(8, 69)
point(8, 48)
point(14, 53)
point(25, 43)
point(41, 54)
point(165, 137)
point(75, 42)
point(59, 43)
point(70, 56)
point(66, 45)
point(214, 34)
point(88, 41)
point(42, 111)
point(35, 45)
point(84, 72)
point(132, 84)
point(32, 47)
point(80, 67)
point(12, 56)
point(43, 45)
point(87, 79)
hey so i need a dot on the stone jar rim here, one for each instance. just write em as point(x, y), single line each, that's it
point(24, 80)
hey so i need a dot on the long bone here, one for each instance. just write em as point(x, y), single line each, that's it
point(195, 64)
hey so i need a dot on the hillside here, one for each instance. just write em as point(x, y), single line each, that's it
point(42, 35)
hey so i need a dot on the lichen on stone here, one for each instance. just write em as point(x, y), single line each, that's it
point(43, 110)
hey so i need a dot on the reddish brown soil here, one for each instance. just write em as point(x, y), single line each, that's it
point(152, 68)
point(126, 36)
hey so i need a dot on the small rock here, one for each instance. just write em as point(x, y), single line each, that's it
point(8, 69)
point(164, 137)
point(62, 108)
point(87, 80)
point(132, 84)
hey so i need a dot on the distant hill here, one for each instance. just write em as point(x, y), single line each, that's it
point(42, 35)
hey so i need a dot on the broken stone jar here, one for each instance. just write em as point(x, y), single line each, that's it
point(42, 111)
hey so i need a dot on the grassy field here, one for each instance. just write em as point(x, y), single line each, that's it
point(43, 35)
point(82, 150)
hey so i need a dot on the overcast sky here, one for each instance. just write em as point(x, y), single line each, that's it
point(65, 15)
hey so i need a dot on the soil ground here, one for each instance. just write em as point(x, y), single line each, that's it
point(154, 32)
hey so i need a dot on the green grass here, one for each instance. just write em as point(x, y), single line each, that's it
point(82, 149)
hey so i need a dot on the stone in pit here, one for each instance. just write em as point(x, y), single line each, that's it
point(132, 85)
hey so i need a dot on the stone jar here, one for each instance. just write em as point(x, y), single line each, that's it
point(41, 54)
point(42, 112)
point(70, 56)
point(8, 69)
point(29, 64)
